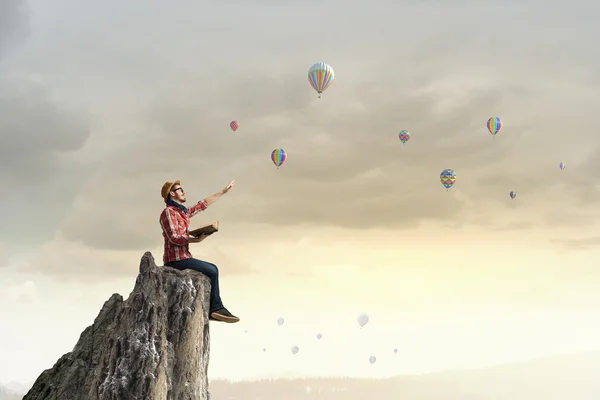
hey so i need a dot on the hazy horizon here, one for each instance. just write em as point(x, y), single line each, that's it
point(549, 378)
point(100, 105)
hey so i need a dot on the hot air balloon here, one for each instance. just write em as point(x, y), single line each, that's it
point(562, 165)
point(319, 336)
point(264, 350)
point(295, 349)
point(448, 177)
point(320, 76)
point(494, 125)
point(395, 351)
point(372, 359)
point(404, 136)
point(234, 125)
point(362, 319)
point(513, 195)
point(280, 321)
point(278, 156)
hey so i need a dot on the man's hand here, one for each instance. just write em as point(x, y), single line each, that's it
point(229, 187)
point(198, 239)
point(204, 236)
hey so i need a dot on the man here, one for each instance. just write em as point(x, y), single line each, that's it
point(175, 223)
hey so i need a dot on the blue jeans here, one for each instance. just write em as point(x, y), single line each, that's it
point(208, 269)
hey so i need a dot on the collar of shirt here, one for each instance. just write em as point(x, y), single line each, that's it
point(175, 204)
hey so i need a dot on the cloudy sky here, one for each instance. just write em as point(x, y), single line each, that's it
point(102, 102)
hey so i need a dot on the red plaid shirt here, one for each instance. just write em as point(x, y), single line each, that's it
point(175, 226)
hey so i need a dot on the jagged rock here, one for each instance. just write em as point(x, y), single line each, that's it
point(153, 346)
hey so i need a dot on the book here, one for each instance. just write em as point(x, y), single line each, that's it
point(206, 229)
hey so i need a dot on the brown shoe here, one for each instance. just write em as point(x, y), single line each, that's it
point(224, 315)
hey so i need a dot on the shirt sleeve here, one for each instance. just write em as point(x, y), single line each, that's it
point(201, 206)
point(168, 222)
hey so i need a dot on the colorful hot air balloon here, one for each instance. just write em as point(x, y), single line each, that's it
point(513, 195)
point(404, 136)
point(280, 321)
point(320, 76)
point(448, 177)
point(372, 359)
point(494, 125)
point(234, 125)
point(395, 351)
point(562, 165)
point(278, 156)
point(295, 349)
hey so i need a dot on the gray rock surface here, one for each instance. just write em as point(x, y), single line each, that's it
point(153, 346)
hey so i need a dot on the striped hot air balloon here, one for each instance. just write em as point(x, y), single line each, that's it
point(234, 125)
point(448, 177)
point(278, 156)
point(404, 136)
point(494, 125)
point(562, 165)
point(320, 77)
point(513, 194)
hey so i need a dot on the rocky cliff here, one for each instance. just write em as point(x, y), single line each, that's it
point(152, 346)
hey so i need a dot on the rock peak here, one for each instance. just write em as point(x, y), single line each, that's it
point(154, 345)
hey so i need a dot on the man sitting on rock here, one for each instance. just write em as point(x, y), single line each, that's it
point(175, 222)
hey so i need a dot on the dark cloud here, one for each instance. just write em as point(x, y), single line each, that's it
point(39, 177)
point(37, 137)
point(34, 129)
point(13, 24)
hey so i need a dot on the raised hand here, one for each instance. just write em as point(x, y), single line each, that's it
point(229, 187)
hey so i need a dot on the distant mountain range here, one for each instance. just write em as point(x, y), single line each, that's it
point(7, 394)
point(567, 377)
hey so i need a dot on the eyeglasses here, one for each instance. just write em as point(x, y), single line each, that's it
point(182, 191)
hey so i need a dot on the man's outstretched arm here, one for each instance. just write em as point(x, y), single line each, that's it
point(202, 205)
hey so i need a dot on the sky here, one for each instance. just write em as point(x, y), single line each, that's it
point(102, 102)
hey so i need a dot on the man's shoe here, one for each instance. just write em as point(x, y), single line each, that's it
point(223, 315)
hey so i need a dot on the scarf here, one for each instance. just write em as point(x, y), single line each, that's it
point(175, 204)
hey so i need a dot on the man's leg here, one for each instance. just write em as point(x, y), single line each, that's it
point(217, 310)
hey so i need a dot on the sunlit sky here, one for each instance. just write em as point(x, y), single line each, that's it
point(102, 102)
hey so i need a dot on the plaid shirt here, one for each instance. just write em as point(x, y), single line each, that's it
point(175, 223)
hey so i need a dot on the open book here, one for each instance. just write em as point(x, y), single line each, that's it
point(207, 229)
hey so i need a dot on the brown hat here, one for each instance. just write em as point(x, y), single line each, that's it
point(164, 192)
